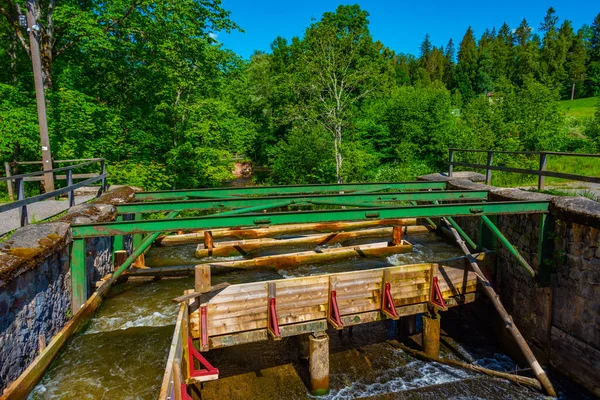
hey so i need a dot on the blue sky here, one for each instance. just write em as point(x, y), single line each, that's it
point(400, 25)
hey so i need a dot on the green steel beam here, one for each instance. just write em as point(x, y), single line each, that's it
point(255, 208)
point(137, 238)
point(216, 221)
point(118, 239)
point(462, 233)
point(545, 249)
point(78, 275)
point(351, 199)
point(279, 190)
point(508, 245)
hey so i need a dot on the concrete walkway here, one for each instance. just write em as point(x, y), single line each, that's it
point(10, 220)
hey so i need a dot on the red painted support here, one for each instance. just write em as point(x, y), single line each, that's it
point(435, 296)
point(273, 326)
point(204, 329)
point(207, 371)
point(184, 393)
point(387, 302)
point(334, 313)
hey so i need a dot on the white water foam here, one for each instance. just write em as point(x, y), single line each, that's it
point(414, 375)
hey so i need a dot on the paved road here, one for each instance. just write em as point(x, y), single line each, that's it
point(9, 220)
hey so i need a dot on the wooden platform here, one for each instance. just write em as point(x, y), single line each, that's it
point(238, 314)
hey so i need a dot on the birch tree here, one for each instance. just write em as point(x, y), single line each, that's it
point(339, 66)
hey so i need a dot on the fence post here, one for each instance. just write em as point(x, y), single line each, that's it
point(21, 196)
point(103, 172)
point(9, 183)
point(488, 171)
point(542, 170)
point(71, 193)
point(450, 166)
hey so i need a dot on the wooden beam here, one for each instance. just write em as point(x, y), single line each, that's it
point(277, 230)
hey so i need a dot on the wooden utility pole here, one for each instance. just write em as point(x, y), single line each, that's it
point(32, 29)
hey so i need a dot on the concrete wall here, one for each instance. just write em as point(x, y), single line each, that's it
point(558, 315)
point(35, 280)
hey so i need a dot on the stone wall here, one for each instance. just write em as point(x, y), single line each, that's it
point(558, 315)
point(35, 280)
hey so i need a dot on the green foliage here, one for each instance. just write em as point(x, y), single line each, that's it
point(306, 156)
point(146, 175)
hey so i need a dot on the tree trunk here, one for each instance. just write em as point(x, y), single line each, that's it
point(337, 144)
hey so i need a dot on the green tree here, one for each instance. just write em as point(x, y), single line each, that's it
point(466, 69)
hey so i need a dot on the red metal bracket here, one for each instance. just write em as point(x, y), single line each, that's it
point(334, 313)
point(273, 326)
point(203, 329)
point(208, 370)
point(435, 296)
point(184, 393)
point(387, 302)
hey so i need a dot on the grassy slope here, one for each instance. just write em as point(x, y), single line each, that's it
point(579, 108)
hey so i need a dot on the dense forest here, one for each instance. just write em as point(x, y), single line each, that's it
point(146, 86)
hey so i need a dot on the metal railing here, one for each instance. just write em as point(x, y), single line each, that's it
point(541, 172)
point(19, 181)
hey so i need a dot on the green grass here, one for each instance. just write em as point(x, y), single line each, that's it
point(579, 108)
point(586, 166)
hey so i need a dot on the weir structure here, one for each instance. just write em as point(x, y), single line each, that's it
point(226, 315)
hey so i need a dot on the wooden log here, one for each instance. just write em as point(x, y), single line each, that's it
point(431, 334)
point(521, 380)
point(234, 248)
point(396, 235)
point(120, 257)
point(508, 321)
point(308, 257)
point(319, 363)
point(276, 230)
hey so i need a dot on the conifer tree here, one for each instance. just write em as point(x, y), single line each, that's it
point(466, 69)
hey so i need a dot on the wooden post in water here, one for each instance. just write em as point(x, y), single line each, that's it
point(120, 257)
point(431, 333)
point(397, 235)
point(208, 242)
point(319, 363)
point(202, 281)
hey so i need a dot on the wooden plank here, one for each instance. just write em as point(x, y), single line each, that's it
point(233, 248)
point(235, 339)
point(295, 259)
point(272, 231)
point(174, 351)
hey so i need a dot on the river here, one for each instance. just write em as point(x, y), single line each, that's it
point(122, 352)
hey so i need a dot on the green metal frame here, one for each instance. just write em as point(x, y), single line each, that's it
point(78, 275)
point(508, 245)
point(279, 190)
point(350, 199)
point(219, 221)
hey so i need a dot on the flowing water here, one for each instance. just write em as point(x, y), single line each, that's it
point(122, 352)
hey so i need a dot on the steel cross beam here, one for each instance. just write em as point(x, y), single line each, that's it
point(216, 221)
point(282, 190)
point(348, 199)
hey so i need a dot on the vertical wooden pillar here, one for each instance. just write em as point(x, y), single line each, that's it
point(397, 235)
point(120, 257)
point(319, 364)
point(9, 183)
point(78, 275)
point(202, 278)
point(208, 242)
point(431, 334)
